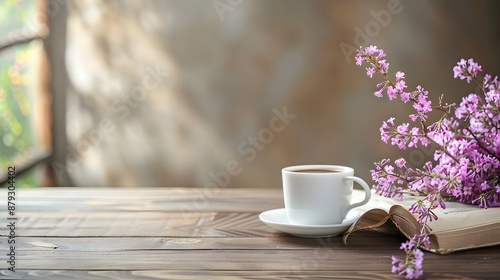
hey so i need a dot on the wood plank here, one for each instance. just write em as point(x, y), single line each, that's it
point(229, 275)
point(285, 242)
point(139, 224)
point(247, 260)
point(142, 224)
point(151, 193)
point(158, 199)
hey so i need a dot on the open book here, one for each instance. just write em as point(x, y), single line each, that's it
point(459, 226)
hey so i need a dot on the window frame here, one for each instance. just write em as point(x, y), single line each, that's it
point(54, 44)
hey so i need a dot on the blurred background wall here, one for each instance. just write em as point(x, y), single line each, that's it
point(228, 92)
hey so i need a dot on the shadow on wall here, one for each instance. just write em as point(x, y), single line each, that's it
point(226, 92)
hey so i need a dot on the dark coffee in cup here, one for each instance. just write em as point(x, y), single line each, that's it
point(317, 171)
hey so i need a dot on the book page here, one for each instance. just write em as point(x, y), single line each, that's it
point(375, 213)
point(459, 216)
point(376, 201)
point(459, 226)
point(456, 216)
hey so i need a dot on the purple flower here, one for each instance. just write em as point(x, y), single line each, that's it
point(466, 70)
point(423, 104)
point(358, 58)
point(457, 70)
point(400, 85)
point(370, 71)
point(473, 67)
point(467, 149)
point(403, 128)
point(411, 268)
point(386, 130)
point(399, 76)
point(371, 50)
point(391, 93)
point(415, 132)
point(405, 96)
point(384, 66)
point(400, 163)
point(378, 93)
point(381, 54)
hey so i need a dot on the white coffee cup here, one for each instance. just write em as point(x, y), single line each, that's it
point(320, 194)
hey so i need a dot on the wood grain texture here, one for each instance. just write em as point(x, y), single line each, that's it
point(166, 234)
point(230, 275)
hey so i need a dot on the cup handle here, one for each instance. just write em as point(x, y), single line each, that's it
point(366, 188)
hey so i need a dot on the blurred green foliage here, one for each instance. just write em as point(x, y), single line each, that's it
point(16, 129)
point(16, 84)
point(16, 16)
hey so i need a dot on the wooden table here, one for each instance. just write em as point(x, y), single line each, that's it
point(164, 233)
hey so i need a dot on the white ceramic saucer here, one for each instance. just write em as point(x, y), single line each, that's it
point(277, 219)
